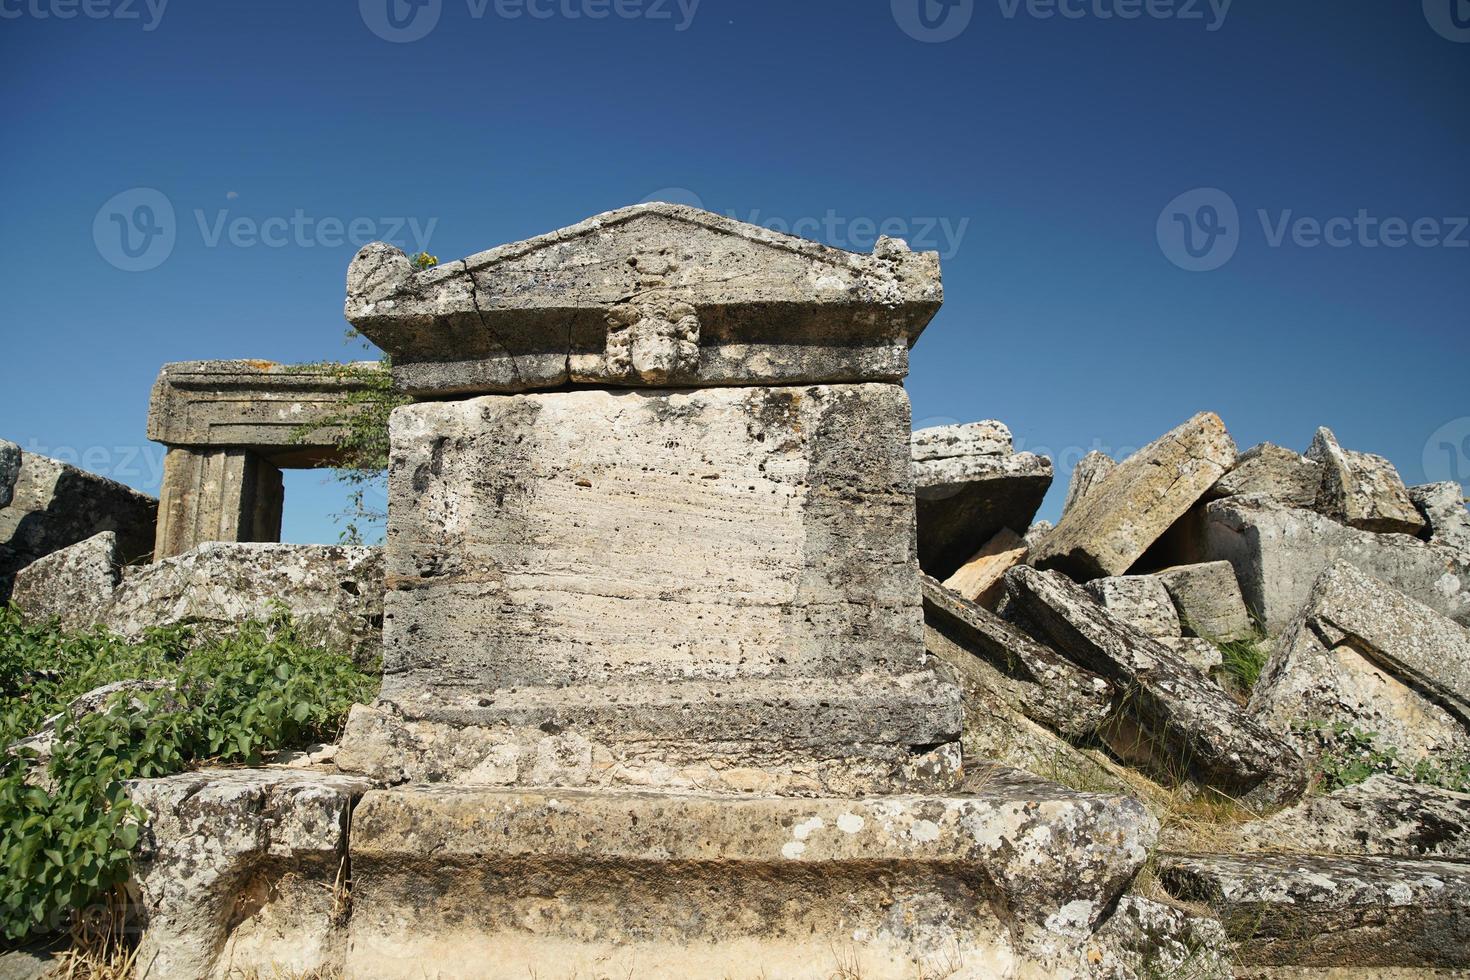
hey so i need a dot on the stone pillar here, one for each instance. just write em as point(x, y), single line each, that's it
point(217, 495)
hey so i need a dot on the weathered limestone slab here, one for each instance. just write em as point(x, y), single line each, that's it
point(241, 871)
point(9, 470)
point(676, 579)
point(1044, 685)
point(1187, 722)
point(654, 294)
point(1274, 472)
point(970, 488)
point(1007, 881)
point(1090, 470)
point(1382, 816)
point(1147, 939)
point(1366, 655)
point(1305, 910)
point(1113, 525)
point(1200, 654)
point(334, 593)
point(1279, 553)
point(1362, 490)
point(54, 505)
point(982, 579)
point(1209, 601)
point(1443, 507)
point(228, 495)
point(1139, 600)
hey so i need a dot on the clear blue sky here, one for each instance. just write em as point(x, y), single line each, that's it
point(1038, 153)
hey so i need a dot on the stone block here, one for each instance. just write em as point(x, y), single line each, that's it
point(1443, 507)
point(1362, 490)
point(1273, 472)
point(1209, 601)
point(1132, 507)
point(73, 586)
point(651, 295)
point(228, 495)
point(1279, 553)
point(9, 470)
point(706, 581)
point(987, 438)
point(1090, 470)
point(1366, 655)
point(982, 579)
point(1139, 600)
point(966, 500)
point(1008, 880)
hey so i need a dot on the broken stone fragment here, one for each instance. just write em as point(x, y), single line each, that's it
point(1129, 509)
point(651, 295)
point(982, 579)
point(242, 869)
point(1139, 600)
point(1319, 911)
point(1209, 601)
point(964, 501)
point(988, 438)
point(1090, 470)
point(1200, 654)
point(1273, 472)
point(1362, 490)
point(1008, 878)
point(1188, 728)
point(1279, 553)
point(1443, 507)
point(9, 470)
point(73, 586)
point(1144, 938)
point(42, 743)
point(1369, 657)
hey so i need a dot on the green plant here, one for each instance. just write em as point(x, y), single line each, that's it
point(424, 260)
point(1244, 660)
point(1350, 755)
point(67, 826)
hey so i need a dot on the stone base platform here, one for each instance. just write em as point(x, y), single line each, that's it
point(1010, 879)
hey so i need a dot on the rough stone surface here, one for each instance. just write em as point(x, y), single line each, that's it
point(988, 438)
point(1366, 655)
point(1310, 910)
point(9, 470)
point(1362, 490)
point(676, 579)
point(1187, 722)
point(655, 294)
point(964, 501)
point(1015, 875)
point(240, 871)
point(1129, 509)
point(1274, 472)
point(1279, 553)
point(1139, 600)
point(333, 592)
point(54, 505)
point(1147, 939)
point(1209, 601)
point(1090, 470)
point(42, 742)
point(982, 578)
point(217, 495)
point(1045, 686)
point(1200, 654)
point(1382, 816)
point(1443, 507)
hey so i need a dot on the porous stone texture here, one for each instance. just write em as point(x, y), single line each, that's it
point(1090, 470)
point(1147, 939)
point(1366, 655)
point(982, 578)
point(1279, 553)
point(1381, 816)
point(242, 870)
point(1139, 600)
point(654, 294)
point(1209, 601)
point(1129, 509)
point(1443, 507)
point(1200, 654)
point(1273, 472)
point(217, 495)
point(334, 593)
point(55, 505)
point(970, 488)
point(9, 470)
point(1308, 910)
point(1187, 726)
point(719, 581)
point(1007, 881)
point(1362, 490)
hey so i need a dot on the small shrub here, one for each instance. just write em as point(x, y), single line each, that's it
point(1350, 756)
point(67, 828)
point(1243, 660)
